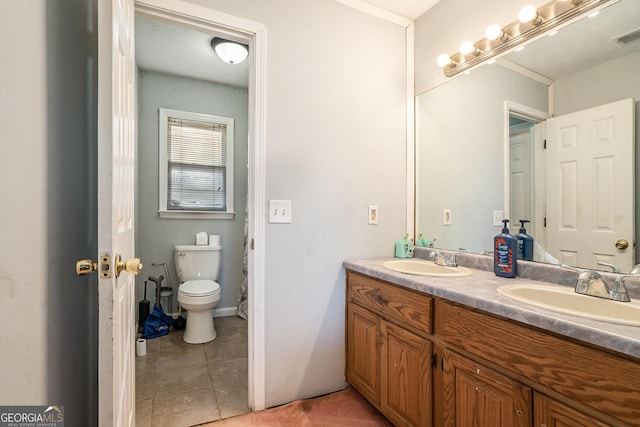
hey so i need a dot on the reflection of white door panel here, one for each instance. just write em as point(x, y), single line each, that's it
point(590, 191)
point(116, 150)
point(520, 170)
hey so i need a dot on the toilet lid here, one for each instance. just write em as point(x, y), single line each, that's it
point(199, 287)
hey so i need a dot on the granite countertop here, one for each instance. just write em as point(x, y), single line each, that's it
point(479, 291)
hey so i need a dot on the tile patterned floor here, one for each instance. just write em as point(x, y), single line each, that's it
point(181, 385)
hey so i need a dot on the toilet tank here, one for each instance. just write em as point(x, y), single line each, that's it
point(197, 262)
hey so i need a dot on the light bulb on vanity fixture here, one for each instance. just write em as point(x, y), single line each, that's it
point(228, 51)
point(494, 32)
point(532, 22)
point(468, 48)
point(444, 60)
point(529, 15)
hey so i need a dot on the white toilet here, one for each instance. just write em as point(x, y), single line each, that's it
point(198, 268)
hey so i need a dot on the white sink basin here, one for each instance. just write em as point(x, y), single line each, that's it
point(564, 300)
point(425, 268)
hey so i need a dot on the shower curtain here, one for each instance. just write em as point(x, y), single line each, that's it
point(242, 298)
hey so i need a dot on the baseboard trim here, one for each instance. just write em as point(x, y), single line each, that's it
point(225, 311)
point(218, 312)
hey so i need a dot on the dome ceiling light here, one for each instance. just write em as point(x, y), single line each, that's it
point(228, 51)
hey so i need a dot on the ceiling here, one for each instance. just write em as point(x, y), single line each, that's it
point(411, 9)
point(184, 52)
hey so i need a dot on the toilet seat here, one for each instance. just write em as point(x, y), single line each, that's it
point(199, 288)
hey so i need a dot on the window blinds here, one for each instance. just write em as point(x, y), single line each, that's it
point(197, 158)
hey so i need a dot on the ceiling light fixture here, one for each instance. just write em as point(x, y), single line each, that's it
point(228, 51)
point(530, 24)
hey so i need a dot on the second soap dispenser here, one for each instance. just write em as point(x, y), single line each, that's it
point(505, 250)
point(525, 242)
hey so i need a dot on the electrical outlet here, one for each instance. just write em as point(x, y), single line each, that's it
point(498, 216)
point(446, 219)
point(373, 215)
point(280, 211)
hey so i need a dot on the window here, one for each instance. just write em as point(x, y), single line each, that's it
point(196, 165)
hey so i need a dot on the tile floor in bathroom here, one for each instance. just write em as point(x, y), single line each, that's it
point(180, 384)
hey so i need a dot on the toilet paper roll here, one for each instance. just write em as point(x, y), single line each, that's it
point(201, 238)
point(141, 347)
point(214, 240)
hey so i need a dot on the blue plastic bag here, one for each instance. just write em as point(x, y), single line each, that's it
point(157, 323)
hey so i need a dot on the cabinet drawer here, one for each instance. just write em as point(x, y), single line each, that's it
point(606, 382)
point(410, 308)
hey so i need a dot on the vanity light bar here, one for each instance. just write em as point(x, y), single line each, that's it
point(500, 40)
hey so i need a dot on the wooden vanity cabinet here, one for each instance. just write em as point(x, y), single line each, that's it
point(477, 396)
point(575, 373)
point(388, 358)
point(425, 361)
point(363, 352)
point(551, 413)
point(406, 376)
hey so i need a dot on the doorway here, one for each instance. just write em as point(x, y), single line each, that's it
point(525, 178)
point(197, 18)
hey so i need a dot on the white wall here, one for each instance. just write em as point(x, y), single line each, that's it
point(602, 84)
point(155, 236)
point(47, 167)
point(335, 143)
point(448, 23)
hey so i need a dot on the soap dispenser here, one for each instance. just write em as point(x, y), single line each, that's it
point(505, 248)
point(525, 242)
point(404, 248)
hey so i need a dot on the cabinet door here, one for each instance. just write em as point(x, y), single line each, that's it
point(363, 353)
point(406, 376)
point(478, 397)
point(551, 413)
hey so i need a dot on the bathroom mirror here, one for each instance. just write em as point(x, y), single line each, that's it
point(462, 159)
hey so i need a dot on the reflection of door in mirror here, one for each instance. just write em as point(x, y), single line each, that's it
point(590, 199)
point(526, 175)
point(521, 136)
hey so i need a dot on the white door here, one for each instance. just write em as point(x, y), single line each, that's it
point(521, 173)
point(116, 151)
point(590, 190)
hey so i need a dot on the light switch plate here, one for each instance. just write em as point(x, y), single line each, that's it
point(280, 211)
point(446, 217)
point(373, 215)
point(498, 216)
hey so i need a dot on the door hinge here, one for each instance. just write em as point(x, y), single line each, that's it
point(253, 244)
point(544, 222)
point(544, 145)
point(442, 365)
point(434, 359)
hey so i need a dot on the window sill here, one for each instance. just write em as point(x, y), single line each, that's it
point(196, 215)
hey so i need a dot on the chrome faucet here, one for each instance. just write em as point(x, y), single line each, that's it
point(592, 283)
point(441, 259)
point(611, 266)
point(635, 269)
